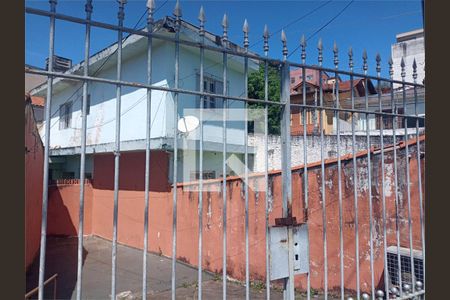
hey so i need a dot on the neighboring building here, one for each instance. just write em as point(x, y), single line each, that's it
point(410, 45)
point(408, 103)
point(65, 132)
point(329, 100)
point(37, 103)
point(34, 166)
point(33, 80)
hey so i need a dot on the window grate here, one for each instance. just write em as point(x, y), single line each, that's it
point(405, 261)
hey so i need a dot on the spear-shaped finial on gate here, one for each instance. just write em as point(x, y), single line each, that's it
point(177, 14)
point(414, 70)
point(88, 9)
point(364, 57)
point(151, 10)
point(177, 10)
point(350, 58)
point(266, 39)
point(402, 65)
point(284, 41)
point(225, 29)
point(202, 19)
point(320, 48)
point(245, 30)
point(53, 5)
point(121, 13)
point(378, 67)
point(303, 45)
point(391, 68)
point(335, 55)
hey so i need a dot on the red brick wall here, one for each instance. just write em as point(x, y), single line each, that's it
point(131, 207)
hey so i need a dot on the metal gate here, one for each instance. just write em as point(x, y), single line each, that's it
point(387, 113)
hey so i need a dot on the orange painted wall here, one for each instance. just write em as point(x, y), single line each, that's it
point(131, 208)
point(34, 161)
point(63, 208)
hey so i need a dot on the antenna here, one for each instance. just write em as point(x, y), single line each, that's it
point(188, 124)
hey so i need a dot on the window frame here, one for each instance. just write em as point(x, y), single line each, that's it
point(65, 115)
point(210, 81)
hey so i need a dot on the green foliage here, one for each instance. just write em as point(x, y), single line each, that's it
point(256, 91)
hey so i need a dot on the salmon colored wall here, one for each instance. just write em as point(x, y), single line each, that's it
point(63, 208)
point(131, 208)
point(34, 155)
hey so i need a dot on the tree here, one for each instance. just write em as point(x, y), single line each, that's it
point(256, 91)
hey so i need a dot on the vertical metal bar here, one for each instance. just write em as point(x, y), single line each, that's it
point(355, 181)
point(224, 156)
point(48, 102)
point(200, 192)
point(247, 267)
point(266, 159)
point(88, 9)
point(383, 197)
point(151, 9)
point(177, 14)
point(338, 148)
point(322, 164)
point(305, 154)
point(408, 188)
point(369, 179)
point(394, 140)
point(419, 175)
point(54, 288)
point(120, 16)
point(289, 290)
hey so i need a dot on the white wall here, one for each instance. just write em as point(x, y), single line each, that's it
point(101, 120)
point(313, 148)
point(410, 49)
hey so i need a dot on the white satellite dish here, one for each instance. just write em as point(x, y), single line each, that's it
point(188, 124)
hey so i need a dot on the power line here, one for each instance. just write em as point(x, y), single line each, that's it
point(293, 22)
point(323, 26)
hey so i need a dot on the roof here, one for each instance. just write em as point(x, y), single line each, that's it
point(37, 101)
point(344, 86)
point(27, 66)
point(165, 25)
point(413, 34)
point(311, 76)
point(34, 100)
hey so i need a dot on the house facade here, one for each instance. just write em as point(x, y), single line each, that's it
point(65, 132)
point(312, 83)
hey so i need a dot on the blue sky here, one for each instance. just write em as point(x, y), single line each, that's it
point(364, 24)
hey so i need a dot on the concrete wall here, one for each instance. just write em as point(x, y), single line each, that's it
point(131, 207)
point(313, 148)
point(34, 161)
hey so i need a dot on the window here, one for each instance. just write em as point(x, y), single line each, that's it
point(65, 115)
point(309, 77)
point(292, 79)
point(388, 120)
point(195, 175)
point(214, 86)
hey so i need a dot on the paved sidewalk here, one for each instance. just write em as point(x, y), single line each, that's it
point(62, 259)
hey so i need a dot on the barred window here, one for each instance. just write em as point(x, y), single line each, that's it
point(214, 86)
point(65, 115)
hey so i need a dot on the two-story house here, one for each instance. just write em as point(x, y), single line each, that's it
point(65, 132)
